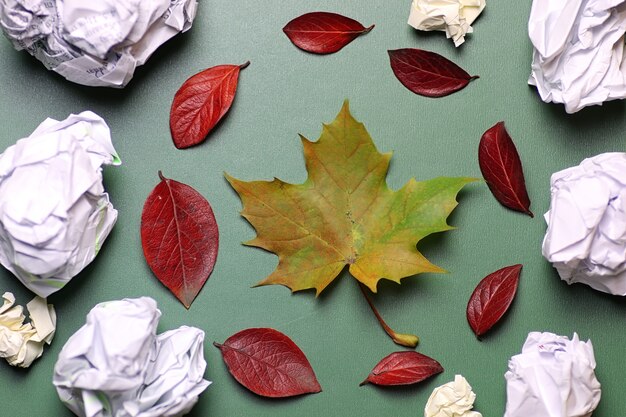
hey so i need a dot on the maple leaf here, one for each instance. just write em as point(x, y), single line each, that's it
point(345, 214)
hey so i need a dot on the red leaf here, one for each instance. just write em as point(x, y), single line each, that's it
point(427, 73)
point(323, 32)
point(502, 169)
point(268, 363)
point(179, 237)
point(201, 102)
point(403, 368)
point(492, 298)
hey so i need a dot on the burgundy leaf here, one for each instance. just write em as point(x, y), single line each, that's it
point(323, 32)
point(268, 363)
point(492, 298)
point(179, 237)
point(403, 368)
point(502, 169)
point(427, 73)
point(201, 102)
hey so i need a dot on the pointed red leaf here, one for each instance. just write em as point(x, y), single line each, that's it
point(201, 102)
point(179, 237)
point(323, 32)
point(268, 363)
point(502, 169)
point(492, 298)
point(403, 368)
point(427, 73)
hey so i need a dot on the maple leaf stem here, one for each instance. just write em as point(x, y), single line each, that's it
point(402, 339)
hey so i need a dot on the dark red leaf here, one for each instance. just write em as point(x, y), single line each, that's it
point(492, 298)
point(268, 363)
point(201, 102)
point(323, 32)
point(502, 169)
point(403, 368)
point(427, 73)
point(179, 237)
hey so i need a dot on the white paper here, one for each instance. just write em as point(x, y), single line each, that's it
point(454, 399)
point(451, 16)
point(117, 366)
point(578, 56)
point(54, 213)
point(586, 236)
point(95, 43)
point(21, 343)
point(552, 377)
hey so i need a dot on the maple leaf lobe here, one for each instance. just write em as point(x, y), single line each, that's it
point(345, 214)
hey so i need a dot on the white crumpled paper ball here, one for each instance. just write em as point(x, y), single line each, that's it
point(54, 213)
point(586, 236)
point(454, 17)
point(95, 43)
point(578, 51)
point(454, 399)
point(21, 343)
point(552, 377)
point(117, 366)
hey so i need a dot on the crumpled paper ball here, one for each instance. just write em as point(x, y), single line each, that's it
point(552, 377)
point(21, 343)
point(454, 399)
point(117, 366)
point(586, 236)
point(454, 17)
point(95, 43)
point(578, 56)
point(54, 213)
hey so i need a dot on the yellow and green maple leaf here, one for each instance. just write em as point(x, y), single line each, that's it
point(345, 214)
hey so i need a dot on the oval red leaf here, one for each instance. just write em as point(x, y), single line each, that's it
point(268, 363)
point(201, 102)
point(323, 32)
point(403, 368)
point(502, 169)
point(427, 73)
point(179, 237)
point(492, 298)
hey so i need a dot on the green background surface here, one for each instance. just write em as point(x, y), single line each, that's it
point(285, 92)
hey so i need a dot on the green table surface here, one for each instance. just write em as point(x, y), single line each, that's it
point(285, 92)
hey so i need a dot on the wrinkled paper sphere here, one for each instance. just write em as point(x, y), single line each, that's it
point(54, 213)
point(454, 399)
point(552, 377)
point(95, 43)
point(586, 236)
point(578, 51)
point(117, 366)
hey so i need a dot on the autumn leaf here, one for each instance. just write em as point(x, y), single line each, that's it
point(180, 238)
point(345, 214)
point(403, 368)
point(268, 363)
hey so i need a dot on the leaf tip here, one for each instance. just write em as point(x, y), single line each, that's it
point(160, 173)
point(369, 29)
point(244, 65)
point(474, 77)
point(345, 108)
point(365, 382)
point(218, 345)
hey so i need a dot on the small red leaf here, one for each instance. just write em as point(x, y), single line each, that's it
point(201, 102)
point(268, 363)
point(323, 32)
point(502, 169)
point(179, 237)
point(492, 298)
point(427, 73)
point(403, 368)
